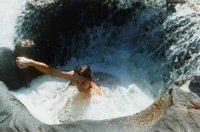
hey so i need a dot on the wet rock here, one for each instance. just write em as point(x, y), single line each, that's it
point(28, 48)
point(14, 116)
point(179, 116)
point(10, 74)
point(52, 24)
point(194, 85)
point(176, 1)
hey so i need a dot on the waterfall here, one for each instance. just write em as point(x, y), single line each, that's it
point(133, 62)
point(9, 11)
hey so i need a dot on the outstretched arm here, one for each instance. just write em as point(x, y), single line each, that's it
point(23, 62)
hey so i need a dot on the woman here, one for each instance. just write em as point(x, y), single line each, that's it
point(81, 76)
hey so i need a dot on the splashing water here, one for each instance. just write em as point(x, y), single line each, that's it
point(130, 80)
point(8, 20)
point(129, 84)
point(184, 55)
point(53, 101)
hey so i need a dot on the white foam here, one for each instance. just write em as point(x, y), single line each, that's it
point(185, 87)
point(42, 98)
point(50, 99)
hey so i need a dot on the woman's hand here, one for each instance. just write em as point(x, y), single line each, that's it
point(23, 62)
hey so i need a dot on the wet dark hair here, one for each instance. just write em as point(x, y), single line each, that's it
point(84, 70)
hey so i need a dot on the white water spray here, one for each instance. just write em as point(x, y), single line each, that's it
point(53, 100)
point(9, 11)
point(123, 75)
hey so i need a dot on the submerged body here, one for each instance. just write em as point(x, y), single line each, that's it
point(81, 76)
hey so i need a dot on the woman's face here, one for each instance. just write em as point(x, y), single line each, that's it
point(82, 83)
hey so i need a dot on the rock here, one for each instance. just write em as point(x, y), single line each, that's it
point(53, 24)
point(176, 1)
point(194, 85)
point(13, 114)
point(28, 48)
point(178, 116)
point(10, 74)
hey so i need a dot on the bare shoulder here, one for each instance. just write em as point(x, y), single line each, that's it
point(96, 88)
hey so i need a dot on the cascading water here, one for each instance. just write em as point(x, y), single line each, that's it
point(9, 11)
point(183, 57)
point(130, 63)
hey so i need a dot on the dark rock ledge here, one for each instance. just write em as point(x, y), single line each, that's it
point(168, 113)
